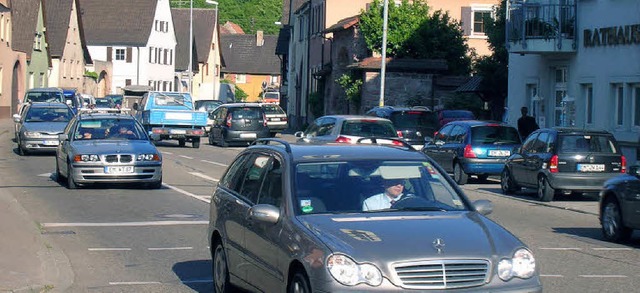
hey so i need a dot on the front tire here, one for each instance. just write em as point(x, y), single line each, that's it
point(58, 173)
point(71, 184)
point(545, 191)
point(299, 283)
point(220, 270)
point(223, 141)
point(459, 175)
point(613, 228)
point(211, 140)
point(507, 184)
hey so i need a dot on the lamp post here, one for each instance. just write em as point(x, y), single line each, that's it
point(383, 65)
point(190, 68)
point(215, 25)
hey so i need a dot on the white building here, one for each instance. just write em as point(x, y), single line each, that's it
point(577, 63)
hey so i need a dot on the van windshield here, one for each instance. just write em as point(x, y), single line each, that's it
point(46, 97)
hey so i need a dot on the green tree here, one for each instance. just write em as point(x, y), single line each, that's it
point(414, 32)
point(352, 87)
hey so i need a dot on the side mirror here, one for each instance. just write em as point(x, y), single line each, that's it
point(299, 134)
point(264, 213)
point(63, 137)
point(135, 106)
point(483, 206)
point(16, 118)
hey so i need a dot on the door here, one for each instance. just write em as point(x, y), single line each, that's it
point(518, 162)
point(536, 158)
point(453, 147)
point(218, 122)
point(434, 148)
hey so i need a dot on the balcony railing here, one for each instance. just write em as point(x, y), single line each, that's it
point(543, 26)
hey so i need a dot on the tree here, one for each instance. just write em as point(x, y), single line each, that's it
point(414, 32)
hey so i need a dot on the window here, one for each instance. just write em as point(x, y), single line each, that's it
point(241, 78)
point(38, 42)
point(120, 54)
point(564, 114)
point(1, 78)
point(588, 100)
point(255, 174)
point(479, 21)
point(619, 97)
point(127, 81)
point(2, 29)
point(151, 55)
point(636, 103)
point(274, 79)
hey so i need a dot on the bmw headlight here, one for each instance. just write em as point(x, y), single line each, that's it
point(148, 157)
point(32, 134)
point(86, 158)
point(350, 273)
point(521, 265)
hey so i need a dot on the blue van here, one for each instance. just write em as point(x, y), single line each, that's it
point(472, 147)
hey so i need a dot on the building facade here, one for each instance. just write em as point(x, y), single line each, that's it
point(12, 64)
point(575, 63)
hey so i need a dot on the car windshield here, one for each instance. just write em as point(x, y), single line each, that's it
point(48, 115)
point(172, 99)
point(272, 109)
point(494, 135)
point(412, 119)
point(109, 128)
point(587, 143)
point(48, 97)
point(368, 128)
point(359, 186)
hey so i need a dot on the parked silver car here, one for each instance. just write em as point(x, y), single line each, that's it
point(107, 148)
point(320, 218)
point(38, 129)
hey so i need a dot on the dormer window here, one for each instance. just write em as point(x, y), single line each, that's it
point(37, 45)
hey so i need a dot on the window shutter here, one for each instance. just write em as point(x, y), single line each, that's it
point(150, 54)
point(466, 20)
point(129, 53)
point(109, 52)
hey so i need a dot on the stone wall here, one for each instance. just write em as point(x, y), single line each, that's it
point(400, 88)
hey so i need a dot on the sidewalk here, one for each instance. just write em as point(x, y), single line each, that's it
point(28, 261)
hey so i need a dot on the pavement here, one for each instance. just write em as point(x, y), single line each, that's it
point(28, 261)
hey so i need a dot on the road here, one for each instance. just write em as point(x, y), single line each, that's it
point(122, 239)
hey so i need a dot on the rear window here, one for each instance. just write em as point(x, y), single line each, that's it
point(368, 128)
point(412, 119)
point(272, 109)
point(587, 143)
point(48, 97)
point(246, 113)
point(494, 135)
point(457, 114)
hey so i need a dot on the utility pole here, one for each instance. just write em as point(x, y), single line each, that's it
point(383, 65)
point(190, 68)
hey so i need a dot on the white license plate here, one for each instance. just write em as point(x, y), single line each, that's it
point(591, 167)
point(50, 142)
point(178, 116)
point(499, 153)
point(178, 131)
point(275, 119)
point(118, 170)
point(248, 135)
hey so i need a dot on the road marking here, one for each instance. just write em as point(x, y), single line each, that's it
point(170, 248)
point(552, 276)
point(603, 276)
point(197, 281)
point(135, 283)
point(215, 163)
point(612, 248)
point(187, 193)
point(560, 248)
point(45, 175)
point(203, 176)
point(125, 224)
point(168, 153)
point(186, 157)
point(110, 249)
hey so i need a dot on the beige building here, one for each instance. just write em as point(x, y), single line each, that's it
point(12, 64)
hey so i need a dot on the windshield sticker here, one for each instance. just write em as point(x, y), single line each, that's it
point(305, 206)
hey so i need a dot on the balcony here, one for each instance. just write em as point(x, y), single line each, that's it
point(541, 26)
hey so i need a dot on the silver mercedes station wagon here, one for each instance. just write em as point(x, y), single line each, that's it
point(356, 217)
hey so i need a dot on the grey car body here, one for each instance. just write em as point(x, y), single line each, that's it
point(38, 128)
point(287, 217)
point(92, 151)
point(347, 129)
point(619, 205)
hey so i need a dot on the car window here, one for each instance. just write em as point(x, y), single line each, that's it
point(271, 189)
point(494, 135)
point(325, 126)
point(457, 134)
point(245, 113)
point(272, 109)
point(541, 145)
point(172, 99)
point(343, 187)
point(587, 143)
point(48, 97)
point(48, 115)
point(368, 128)
point(254, 176)
point(444, 133)
point(109, 128)
point(234, 173)
point(527, 146)
point(412, 119)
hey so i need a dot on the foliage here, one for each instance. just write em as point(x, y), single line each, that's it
point(464, 101)
point(91, 74)
point(316, 104)
point(352, 87)
point(250, 15)
point(240, 94)
point(414, 32)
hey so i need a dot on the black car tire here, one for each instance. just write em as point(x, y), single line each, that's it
point(58, 174)
point(220, 269)
point(459, 175)
point(273, 134)
point(21, 150)
point(156, 184)
point(507, 183)
point(196, 143)
point(545, 192)
point(70, 183)
point(211, 140)
point(223, 141)
point(613, 228)
point(299, 283)
point(182, 142)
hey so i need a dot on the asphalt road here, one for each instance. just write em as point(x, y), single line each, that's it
point(120, 239)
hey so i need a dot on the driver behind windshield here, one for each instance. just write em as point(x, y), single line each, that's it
point(393, 189)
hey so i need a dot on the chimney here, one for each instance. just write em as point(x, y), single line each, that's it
point(259, 38)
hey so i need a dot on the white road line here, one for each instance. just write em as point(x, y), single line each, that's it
point(169, 248)
point(186, 157)
point(125, 224)
point(215, 163)
point(612, 248)
point(197, 281)
point(110, 249)
point(560, 248)
point(168, 153)
point(187, 193)
point(552, 276)
point(203, 176)
point(135, 283)
point(45, 175)
point(603, 276)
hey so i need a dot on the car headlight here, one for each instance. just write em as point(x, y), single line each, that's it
point(32, 134)
point(148, 157)
point(86, 158)
point(521, 265)
point(350, 273)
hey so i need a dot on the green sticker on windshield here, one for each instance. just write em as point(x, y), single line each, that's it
point(305, 205)
point(307, 209)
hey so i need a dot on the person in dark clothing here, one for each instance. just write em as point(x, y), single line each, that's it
point(526, 123)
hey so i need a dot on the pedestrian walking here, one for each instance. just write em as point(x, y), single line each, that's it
point(526, 123)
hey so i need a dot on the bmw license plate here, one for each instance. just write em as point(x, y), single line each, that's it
point(499, 153)
point(118, 170)
point(591, 167)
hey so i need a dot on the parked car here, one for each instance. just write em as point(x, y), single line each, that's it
point(38, 129)
point(415, 123)
point(446, 116)
point(237, 123)
point(472, 147)
point(563, 160)
point(277, 120)
point(107, 148)
point(42, 95)
point(349, 129)
point(291, 218)
point(619, 205)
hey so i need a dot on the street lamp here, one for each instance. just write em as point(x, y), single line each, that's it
point(383, 65)
point(190, 68)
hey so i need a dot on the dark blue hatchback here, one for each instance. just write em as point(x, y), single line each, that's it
point(473, 147)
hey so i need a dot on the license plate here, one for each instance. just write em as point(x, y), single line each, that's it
point(118, 170)
point(248, 135)
point(50, 142)
point(591, 167)
point(178, 131)
point(275, 119)
point(499, 153)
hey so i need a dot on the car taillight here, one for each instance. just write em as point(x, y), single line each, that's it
point(553, 164)
point(343, 139)
point(623, 167)
point(468, 152)
point(397, 143)
point(229, 118)
point(264, 120)
point(399, 133)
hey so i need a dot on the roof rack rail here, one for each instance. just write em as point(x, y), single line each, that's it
point(266, 141)
point(374, 140)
